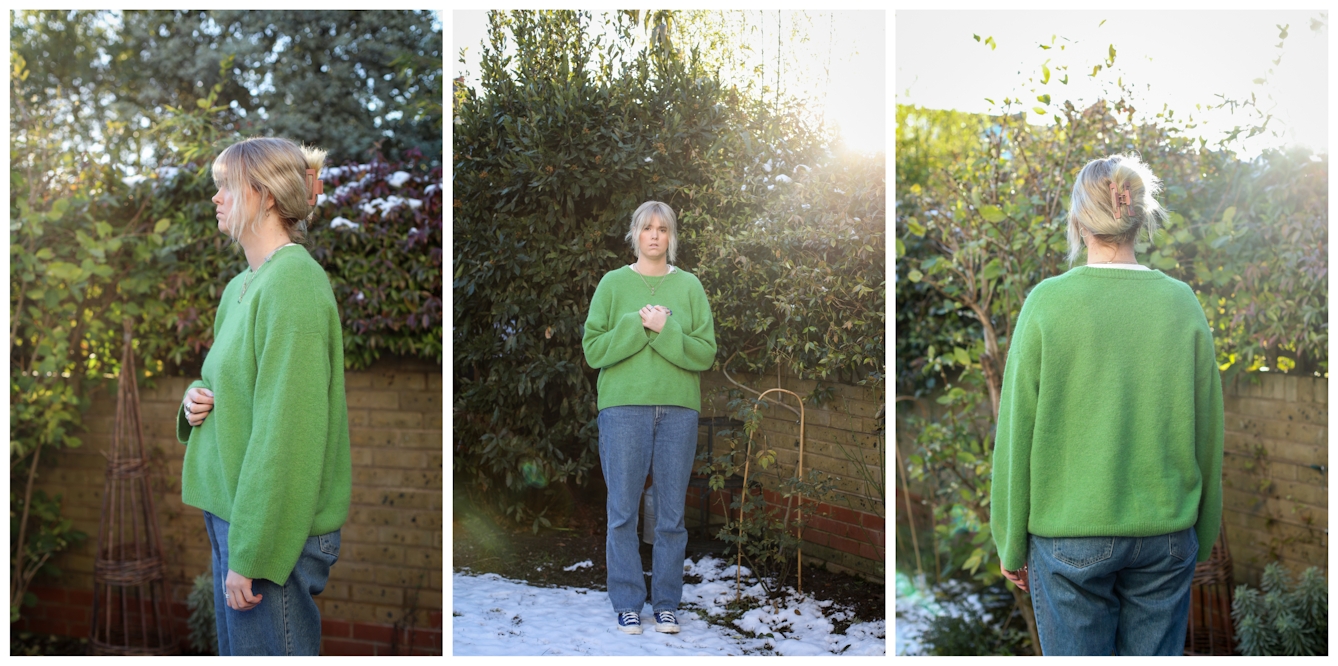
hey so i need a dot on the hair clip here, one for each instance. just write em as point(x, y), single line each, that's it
point(315, 186)
point(1120, 199)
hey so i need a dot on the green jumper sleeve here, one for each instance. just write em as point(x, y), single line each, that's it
point(1010, 487)
point(694, 348)
point(610, 338)
point(1208, 435)
point(280, 477)
point(183, 426)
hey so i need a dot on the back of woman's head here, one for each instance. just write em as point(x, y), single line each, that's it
point(1092, 207)
point(253, 169)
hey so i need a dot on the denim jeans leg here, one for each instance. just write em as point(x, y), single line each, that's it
point(671, 466)
point(287, 620)
point(626, 435)
point(1154, 595)
point(1073, 593)
point(219, 563)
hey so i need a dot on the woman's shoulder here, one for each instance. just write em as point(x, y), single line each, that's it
point(298, 283)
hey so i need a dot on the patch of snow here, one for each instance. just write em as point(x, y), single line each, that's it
point(133, 180)
point(398, 179)
point(648, 159)
point(430, 189)
point(341, 222)
point(918, 603)
point(586, 564)
point(383, 206)
point(495, 616)
point(767, 167)
point(782, 178)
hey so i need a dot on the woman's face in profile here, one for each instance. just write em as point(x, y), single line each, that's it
point(223, 208)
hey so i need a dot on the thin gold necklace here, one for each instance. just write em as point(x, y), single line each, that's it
point(657, 284)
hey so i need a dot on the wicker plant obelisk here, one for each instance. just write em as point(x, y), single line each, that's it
point(131, 611)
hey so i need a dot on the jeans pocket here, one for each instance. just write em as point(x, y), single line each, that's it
point(1184, 544)
point(329, 544)
point(1082, 552)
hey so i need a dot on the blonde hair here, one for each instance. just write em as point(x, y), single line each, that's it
point(641, 219)
point(1090, 206)
point(254, 169)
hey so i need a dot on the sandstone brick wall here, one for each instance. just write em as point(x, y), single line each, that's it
point(840, 440)
point(1275, 491)
point(384, 594)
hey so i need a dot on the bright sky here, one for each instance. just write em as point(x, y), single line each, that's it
point(854, 42)
point(1179, 58)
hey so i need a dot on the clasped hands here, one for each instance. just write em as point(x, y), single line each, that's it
point(654, 316)
point(199, 402)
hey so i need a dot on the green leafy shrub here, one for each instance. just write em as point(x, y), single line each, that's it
point(202, 623)
point(1284, 618)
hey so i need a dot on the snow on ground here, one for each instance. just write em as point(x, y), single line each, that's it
point(919, 602)
point(496, 616)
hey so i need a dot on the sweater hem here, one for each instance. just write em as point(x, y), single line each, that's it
point(1145, 530)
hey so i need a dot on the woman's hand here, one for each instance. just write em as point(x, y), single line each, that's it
point(237, 592)
point(199, 402)
point(654, 316)
point(1018, 577)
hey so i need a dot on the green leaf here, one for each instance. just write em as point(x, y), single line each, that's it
point(961, 356)
point(162, 225)
point(1110, 62)
point(993, 269)
point(901, 249)
point(914, 226)
point(1228, 215)
point(1044, 99)
point(1045, 77)
point(1038, 110)
point(45, 254)
point(972, 563)
point(991, 213)
point(915, 275)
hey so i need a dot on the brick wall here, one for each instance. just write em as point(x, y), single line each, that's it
point(846, 532)
point(1275, 474)
point(384, 594)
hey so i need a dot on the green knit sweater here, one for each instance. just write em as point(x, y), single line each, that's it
point(1110, 419)
point(272, 458)
point(638, 366)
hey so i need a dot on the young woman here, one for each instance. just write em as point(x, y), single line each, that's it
point(1107, 481)
point(650, 334)
point(266, 426)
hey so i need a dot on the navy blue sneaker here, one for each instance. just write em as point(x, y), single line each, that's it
point(630, 622)
point(665, 622)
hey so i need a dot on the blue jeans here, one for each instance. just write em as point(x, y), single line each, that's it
point(1112, 595)
point(636, 440)
point(286, 621)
